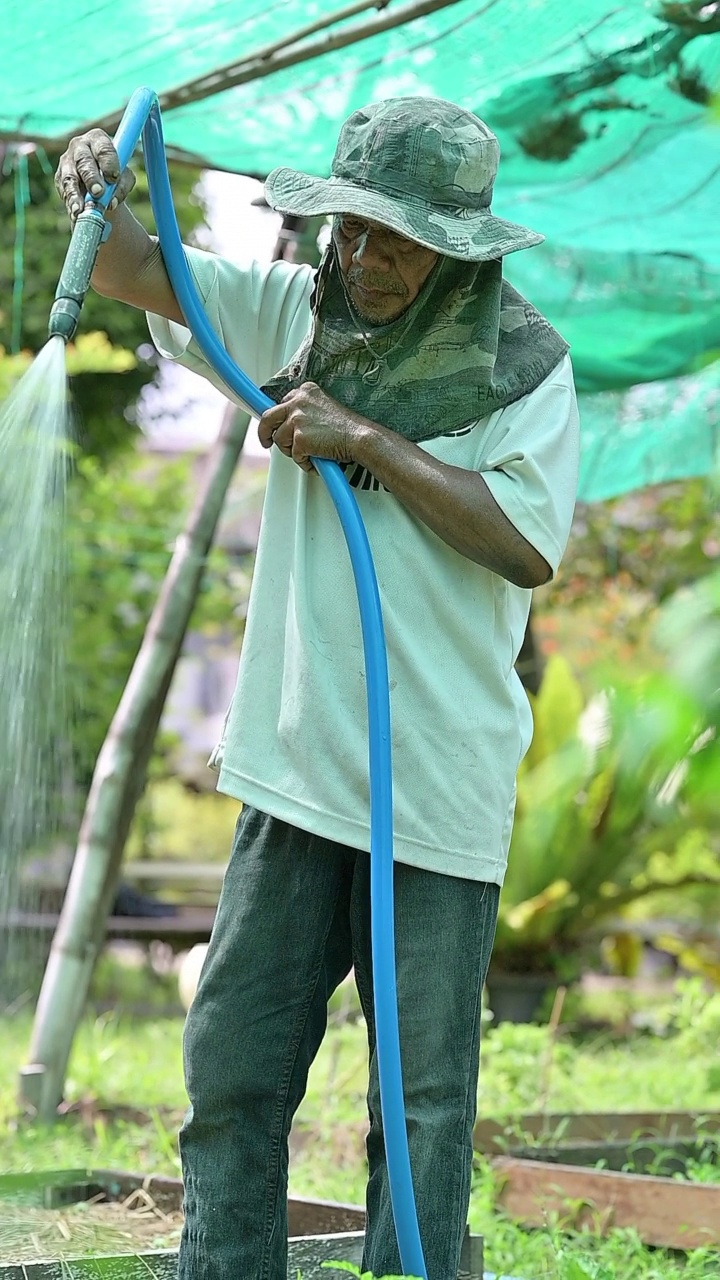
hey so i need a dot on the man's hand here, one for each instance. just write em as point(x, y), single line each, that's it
point(90, 163)
point(308, 423)
point(456, 504)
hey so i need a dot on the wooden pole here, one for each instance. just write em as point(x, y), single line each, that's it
point(281, 55)
point(117, 784)
point(287, 54)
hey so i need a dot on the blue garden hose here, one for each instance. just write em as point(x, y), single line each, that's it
point(142, 116)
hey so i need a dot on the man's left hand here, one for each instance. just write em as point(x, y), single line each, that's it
point(310, 424)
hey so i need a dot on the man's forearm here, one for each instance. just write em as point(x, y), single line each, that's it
point(123, 254)
point(455, 503)
point(130, 267)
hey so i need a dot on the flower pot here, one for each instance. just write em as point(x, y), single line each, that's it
point(518, 997)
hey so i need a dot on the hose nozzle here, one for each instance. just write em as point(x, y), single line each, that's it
point(87, 236)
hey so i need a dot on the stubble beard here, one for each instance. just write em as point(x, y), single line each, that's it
point(391, 308)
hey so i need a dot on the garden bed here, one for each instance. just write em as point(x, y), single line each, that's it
point(305, 1256)
point(628, 1170)
point(116, 1220)
point(127, 1101)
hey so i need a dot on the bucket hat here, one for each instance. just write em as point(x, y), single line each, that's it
point(423, 167)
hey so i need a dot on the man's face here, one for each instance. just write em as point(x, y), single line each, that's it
point(383, 271)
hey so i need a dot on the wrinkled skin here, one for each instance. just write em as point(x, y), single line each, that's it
point(90, 163)
point(308, 423)
point(383, 271)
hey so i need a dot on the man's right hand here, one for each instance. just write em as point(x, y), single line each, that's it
point(89, 163)
point(130, 264)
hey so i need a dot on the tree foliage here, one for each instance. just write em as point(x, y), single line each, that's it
point(623, 560)
point(660, 539)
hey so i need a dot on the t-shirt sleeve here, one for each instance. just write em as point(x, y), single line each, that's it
point(260, 314)
point(531, 459)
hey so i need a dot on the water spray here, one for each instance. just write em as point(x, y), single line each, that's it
point(142, 118)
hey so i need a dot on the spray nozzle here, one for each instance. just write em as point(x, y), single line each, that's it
point(89, 232)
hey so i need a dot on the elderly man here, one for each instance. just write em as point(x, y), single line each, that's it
point(449, 401)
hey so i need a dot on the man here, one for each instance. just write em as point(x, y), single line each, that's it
point(449, 400)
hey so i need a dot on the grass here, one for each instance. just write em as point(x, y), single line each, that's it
point(136, 1065)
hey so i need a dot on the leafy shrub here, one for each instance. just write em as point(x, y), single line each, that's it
point(614, 802)
point(123, 521)
point(696, 1018)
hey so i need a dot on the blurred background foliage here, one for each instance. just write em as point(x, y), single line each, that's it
point(618, 808)
point(34, 235)
point(126, 516)
point(614, 811)
point(616, 834)
point(125, 507)
point(624, 558)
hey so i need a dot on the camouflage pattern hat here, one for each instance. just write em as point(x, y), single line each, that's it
point(421, 166)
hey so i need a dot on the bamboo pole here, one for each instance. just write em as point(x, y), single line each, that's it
point(266, 61)
point(288, 54)
point(117, 784)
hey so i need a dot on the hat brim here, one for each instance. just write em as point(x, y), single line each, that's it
point(476, 236)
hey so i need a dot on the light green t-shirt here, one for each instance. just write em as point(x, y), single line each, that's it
point(295, 742)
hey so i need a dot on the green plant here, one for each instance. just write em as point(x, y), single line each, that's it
point(174, 822)
point(623, 560)
point(120, 529)
point(570, 1268)
point(361, 1275)
point(602, 817)
point(696, 1018)
point(90, 353)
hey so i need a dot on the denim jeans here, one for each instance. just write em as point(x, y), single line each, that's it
point(293, 919)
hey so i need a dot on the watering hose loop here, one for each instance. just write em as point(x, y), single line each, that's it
point(142, 116)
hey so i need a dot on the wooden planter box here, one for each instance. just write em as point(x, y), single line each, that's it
point(550, 1174)
point(305, 1256)
point(560, 1128)
point(319, 1230)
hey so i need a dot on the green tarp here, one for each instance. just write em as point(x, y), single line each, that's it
point(653, 433)
point(602, 111)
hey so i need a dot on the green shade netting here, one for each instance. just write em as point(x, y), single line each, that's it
point(607, 142)
point(651, 434)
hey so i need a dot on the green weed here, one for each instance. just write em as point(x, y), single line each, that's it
point(135, 1065)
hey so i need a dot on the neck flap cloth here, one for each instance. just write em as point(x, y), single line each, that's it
point(467, 346)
